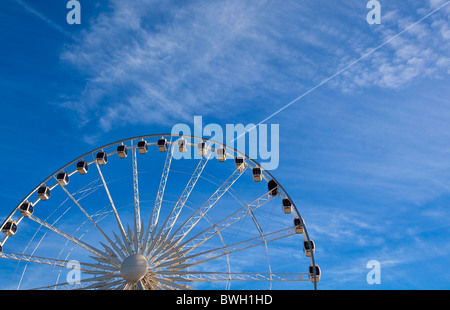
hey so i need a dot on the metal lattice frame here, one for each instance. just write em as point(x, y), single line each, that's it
point(170, 256)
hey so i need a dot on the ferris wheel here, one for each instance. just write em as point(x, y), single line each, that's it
point(145, 213)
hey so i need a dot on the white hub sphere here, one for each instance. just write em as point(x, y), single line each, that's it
point(134, 268)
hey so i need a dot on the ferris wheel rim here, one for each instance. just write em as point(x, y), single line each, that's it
point(211, 141)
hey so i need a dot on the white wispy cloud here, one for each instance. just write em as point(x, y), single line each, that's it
point(30, 9)
point(168, 70)
point(153, 62)
point(418, 53)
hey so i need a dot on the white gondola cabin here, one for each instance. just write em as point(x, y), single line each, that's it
point(26, 209)
point(221, 154)
point(298, 225)
point(240, 164)
point(44, 192)
point(182, 145)
point(311, 273)
point(273, 188)
point(63, 178)
point(162, 145)
point(101, 158)
point(308, 247)
point(202, 148)
point(122, 151)
point(287, 206)
point(82, 167)
point(10, 228)
point(257, 174)
point(142, 146)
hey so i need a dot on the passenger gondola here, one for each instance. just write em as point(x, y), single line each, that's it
point(221, 154)
point(63, 178)
point(311, 273)
point(82, 167)
point(142, 146)
point(44, 192)
point(101, 158)
point(162, 145)
point(308, 247)
point(257, 174)
point(182, 145)
point(298, 225)
point(122, 151)
point(287, 206)
point(26, 209)
point(240, 163)
point(10, 228)
point(273, 188)
point(202, 148)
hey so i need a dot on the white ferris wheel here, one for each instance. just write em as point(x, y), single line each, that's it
point(134, 214)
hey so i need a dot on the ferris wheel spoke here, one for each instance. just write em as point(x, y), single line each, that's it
point(119, 222)
point(173, 215)
point(121, 286)
point(151, 283)
point(158, 286)
point(111, 243)
point(195, 259)
point(110, 259)
point(53, 258)
point(178, 250)
point(81, 284)
point(87, 190)
point(112, 284)
point(171, 283)
point(143, 285)
point(102, 283)
point(190, 223)
point(102, 279)
point(164, 287)
point(137, 210)
point(85, 267)
point(65, 286)
point(196, 276)
point(99, 271)
point(153, 223)
point(121, 245)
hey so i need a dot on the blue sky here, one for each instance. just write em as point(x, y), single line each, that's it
point(364, 156)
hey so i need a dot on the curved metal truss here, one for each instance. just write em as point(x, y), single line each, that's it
point(184, 243)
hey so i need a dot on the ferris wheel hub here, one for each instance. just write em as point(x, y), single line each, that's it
point(134, 268)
